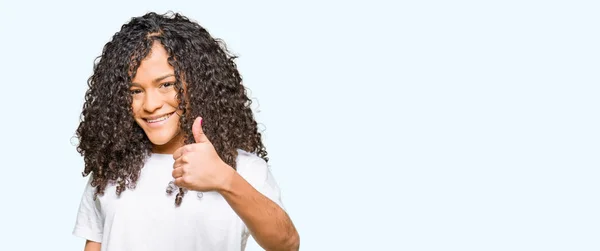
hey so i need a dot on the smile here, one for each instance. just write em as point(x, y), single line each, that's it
point(156, 121)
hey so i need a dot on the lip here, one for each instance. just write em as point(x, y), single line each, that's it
point(159, 123)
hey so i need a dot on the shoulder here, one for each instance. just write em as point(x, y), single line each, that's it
point(251, 167)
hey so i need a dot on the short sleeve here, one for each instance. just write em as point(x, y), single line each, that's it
point(270, 188)
point(257, 172)
point(89, 223)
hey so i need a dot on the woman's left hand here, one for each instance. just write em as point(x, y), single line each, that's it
point(198, 166)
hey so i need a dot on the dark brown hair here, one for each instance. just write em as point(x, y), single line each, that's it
point(114, 147)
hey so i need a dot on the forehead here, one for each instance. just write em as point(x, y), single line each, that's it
point(154, 65)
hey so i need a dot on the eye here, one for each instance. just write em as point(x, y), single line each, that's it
point(135, 91)
point(167, 85)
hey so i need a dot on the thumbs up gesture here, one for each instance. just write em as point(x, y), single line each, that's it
point(198, 166)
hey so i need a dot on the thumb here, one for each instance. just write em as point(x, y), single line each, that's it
point(199, 135)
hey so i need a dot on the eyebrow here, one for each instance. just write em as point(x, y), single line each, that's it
point(156, 80)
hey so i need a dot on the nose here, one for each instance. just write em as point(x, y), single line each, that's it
point(152, 102)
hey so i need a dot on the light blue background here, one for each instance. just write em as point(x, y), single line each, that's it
point(412, 125)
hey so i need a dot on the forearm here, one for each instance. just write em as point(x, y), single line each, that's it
point(269, 224)
point(92, 246)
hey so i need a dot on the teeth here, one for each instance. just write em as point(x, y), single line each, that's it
point(159, 119)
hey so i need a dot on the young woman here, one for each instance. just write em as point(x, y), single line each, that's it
point(172, 148)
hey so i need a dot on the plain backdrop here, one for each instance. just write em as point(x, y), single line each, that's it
point(400, 125)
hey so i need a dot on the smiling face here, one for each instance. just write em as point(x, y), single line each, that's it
point(154, 101)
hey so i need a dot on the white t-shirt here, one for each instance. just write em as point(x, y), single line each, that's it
point(146, 218)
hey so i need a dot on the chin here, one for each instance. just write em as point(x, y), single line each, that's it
point(161, 138)
point(159, 141)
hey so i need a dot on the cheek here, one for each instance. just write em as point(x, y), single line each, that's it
point(173, 101)
point(135, 107)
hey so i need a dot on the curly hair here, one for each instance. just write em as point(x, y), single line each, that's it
point(113, 145)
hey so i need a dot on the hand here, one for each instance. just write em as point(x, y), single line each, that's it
point(198, 166)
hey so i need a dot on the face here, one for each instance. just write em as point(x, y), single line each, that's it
point(155, 102)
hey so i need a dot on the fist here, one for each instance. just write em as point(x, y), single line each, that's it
point(198, 167)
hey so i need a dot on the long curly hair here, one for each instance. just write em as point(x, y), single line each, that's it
point(113, 145)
